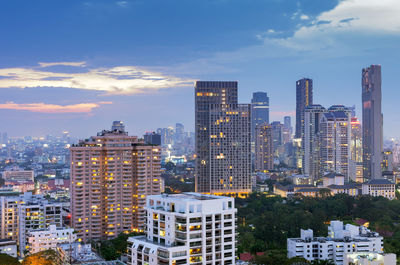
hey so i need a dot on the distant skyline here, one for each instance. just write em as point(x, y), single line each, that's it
point(79, 65)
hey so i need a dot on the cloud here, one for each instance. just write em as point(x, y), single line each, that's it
point(52, 108)
point(123, 80)
point(304, 17)
point(122, 3)
point(76, 64)
point(362, 17)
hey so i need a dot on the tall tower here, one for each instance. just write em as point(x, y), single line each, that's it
point(222, 126)
point(259, 110)
point(372, 121)
point(304, 98)
point(111, 175)
point(334, 140)
point(310, 141)
point(264, 151)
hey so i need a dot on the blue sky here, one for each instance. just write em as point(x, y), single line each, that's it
point(79, 65)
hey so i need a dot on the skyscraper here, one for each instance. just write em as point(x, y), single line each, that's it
point(304, 98)
point(264, 151)
point(277, 137)
point(259, 110)
point(287, 130)
point(372, 121)
point(111, 175)
point(310, 141)
point(334, 138)
point(222, 127)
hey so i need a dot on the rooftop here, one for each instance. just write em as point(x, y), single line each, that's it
point(380, 182)
point(187, 196)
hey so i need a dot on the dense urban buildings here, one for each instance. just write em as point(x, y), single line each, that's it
point(341, 240)
point(304, 98)
point(25, 213)
point(372, 121)
point(188, 228)
point(264, 149)
point(223, 150)
point(111, 175)
point(259, 110)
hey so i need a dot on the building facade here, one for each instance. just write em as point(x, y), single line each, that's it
point(111, 175)
point(372, 121)
point(223, 150)
point(188, 228)
point(264, 150)
point(304, 98)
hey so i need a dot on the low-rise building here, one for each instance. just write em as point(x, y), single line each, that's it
point(43, 239)
point(341, 240)
point(188, 228)
point(379, 187)
point(18, 175)
point(361, 258)
point(8, 247)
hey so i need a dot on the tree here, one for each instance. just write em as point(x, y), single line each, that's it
point(7, 259)
point(47, 257)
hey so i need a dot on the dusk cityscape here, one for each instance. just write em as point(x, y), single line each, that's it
point(214, 132)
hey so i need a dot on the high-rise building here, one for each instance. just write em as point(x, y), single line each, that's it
point(187, 228)
point(277, 137)
point(372, 121)
point(334, 141)
point(310, 142)
point(304, 98)
point(264, 151)
point(179, 132)
point(356, 166)
point(111, 175)
point(288, 130)
point(152, 138)
point(222, 127)
point(356, 140)
point(259, 110)
point(387, 161)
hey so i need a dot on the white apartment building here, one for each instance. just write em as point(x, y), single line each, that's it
point(187, 228)
point(341, 240)
point(8, 247)
point(43, 239)
point(379, 187)
point(370, 259)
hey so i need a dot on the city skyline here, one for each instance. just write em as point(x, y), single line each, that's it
point(84, 73)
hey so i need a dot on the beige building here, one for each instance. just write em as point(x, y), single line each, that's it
point(111, 175)
point(264, 151)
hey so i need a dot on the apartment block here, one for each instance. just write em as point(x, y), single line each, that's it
point(188, 228)
point(341, 240)
point(49, 238)
point(111, 175)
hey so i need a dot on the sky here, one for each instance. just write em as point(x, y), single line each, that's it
point(79, 65)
